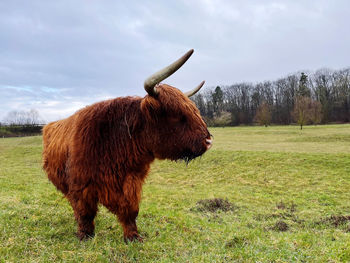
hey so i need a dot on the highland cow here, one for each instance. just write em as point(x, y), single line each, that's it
point(102, 153)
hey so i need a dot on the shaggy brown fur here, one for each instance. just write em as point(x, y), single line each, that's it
point(102, 153)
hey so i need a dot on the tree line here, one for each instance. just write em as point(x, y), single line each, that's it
point(316, 97)
point(20, 123)
point(322, 96)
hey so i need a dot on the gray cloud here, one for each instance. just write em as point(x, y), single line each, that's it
point(57, 56)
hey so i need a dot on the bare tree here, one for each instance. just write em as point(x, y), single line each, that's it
point(323, 92)
point(263, 114)
point(301, 110)
point(306, 111)
point(315, 109)
point(33, 117)
point(12, 118)
point(24, 118)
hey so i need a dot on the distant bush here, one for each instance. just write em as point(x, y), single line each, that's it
point(20, 130)
point(222, 120)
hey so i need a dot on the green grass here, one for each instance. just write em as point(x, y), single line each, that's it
point(289, 189)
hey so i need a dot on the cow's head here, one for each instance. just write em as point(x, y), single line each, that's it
point(176, 130)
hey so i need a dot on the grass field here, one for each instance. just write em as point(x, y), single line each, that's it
point(282, 195)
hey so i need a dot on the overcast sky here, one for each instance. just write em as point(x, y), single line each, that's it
point(58, 56)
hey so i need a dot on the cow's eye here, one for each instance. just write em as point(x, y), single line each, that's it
point(183, 119)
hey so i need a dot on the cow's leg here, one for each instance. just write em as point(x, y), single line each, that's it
point(84, 204)
point(127, 213)
point(128, 209)
point(125, 205)
point(128, 220)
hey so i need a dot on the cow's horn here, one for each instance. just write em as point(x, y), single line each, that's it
point(195, 90)
point(157, 77)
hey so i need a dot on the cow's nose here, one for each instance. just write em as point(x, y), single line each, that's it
point(209, 143)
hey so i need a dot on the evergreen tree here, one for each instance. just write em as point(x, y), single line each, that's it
point(303, 89)
point(218, 100)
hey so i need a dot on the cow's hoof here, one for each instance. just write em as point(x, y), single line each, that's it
point(83, 236)
point(132, 238)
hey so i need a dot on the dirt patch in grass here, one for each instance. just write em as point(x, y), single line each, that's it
point(283, 211)
point(280, 226)
point(335, 220)
point(214, 205)
point(236, 242)
point(289, 207)
point(341, 222)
